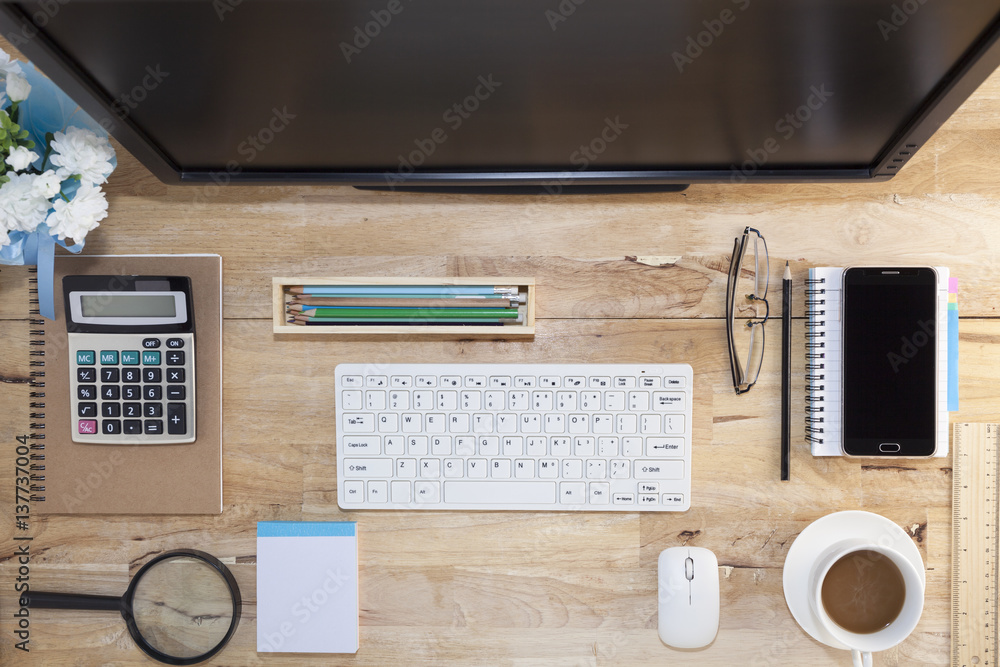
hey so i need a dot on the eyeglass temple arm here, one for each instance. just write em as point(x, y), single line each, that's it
point(38, 600)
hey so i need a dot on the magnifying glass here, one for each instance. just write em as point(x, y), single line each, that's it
point(181, 608)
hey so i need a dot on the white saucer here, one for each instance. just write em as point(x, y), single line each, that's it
point(819, 536)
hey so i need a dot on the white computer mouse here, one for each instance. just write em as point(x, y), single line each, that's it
point(688, 597)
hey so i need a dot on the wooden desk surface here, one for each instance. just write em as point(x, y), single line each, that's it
point(532, 588)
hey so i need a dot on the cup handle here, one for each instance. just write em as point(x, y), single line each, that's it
point(861, 659)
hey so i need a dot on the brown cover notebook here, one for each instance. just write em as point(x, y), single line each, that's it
point(136, 479)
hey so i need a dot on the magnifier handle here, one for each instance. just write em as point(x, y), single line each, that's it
point(38, 600)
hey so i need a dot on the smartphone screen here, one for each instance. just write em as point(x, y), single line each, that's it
point(889, 361)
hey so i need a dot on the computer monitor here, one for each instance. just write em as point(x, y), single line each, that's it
point(558, 93)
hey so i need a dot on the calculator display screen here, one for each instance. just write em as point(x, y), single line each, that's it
point(128, 305)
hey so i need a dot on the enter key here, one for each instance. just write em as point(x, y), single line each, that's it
point(665, 448)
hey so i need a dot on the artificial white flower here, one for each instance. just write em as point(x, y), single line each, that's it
point(76, 217)
point(7, 65)
point(49, 184)
point(20, 158)
point(23, 206)
point(18, 87)
point(82, 153)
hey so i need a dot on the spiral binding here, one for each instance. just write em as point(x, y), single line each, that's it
point(815, 300)
point(36, 381)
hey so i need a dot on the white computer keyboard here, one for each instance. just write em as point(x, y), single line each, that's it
point(592, 437)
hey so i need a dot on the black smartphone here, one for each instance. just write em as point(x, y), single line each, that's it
point(889, 361)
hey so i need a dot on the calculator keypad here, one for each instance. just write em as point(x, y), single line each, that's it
point(132, 388)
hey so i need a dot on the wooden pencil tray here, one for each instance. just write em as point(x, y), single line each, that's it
point(525, 329)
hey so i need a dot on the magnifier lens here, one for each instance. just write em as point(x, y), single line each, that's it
point(182, 607)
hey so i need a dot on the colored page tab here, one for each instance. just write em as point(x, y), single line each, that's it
point(952, 344)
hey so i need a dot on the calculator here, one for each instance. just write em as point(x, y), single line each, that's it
point(131, 359)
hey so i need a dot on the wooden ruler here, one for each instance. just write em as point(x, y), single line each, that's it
point(975, 545)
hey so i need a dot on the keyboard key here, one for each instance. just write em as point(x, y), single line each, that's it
point(111, 426)
point(572, 493)
point(524, 468)
point(86, 375)
point(352, 381)
point(659, 469)
point(354, 491)
point(110, 392)
point(406, 468)
point(87, 427)
point(665, 447)
point(673, 424)
point(152, 392)
point(668, 400)
point(132, 392)
point(624, 499)
point(86, 410)
point(399, 381)
point(130, 375)
point(378, 492)
point(109, 357)
point(600, 493)
point(130, 357)
point(350, 400)
point(153, 426)
point(111, 409)
point(152, 375)
point(427, 492)
point(110, 375)
point(85, 358)
point(86, 392)
point(175, 358)
point(477, 468)
point(150, 343)
point(360, 422)
point(175, 343)
point(151, 358)
point(377, 381)
point(132, 427)
point(672, 383)
point(400, 491)
point(175, 374)
point(364, 445)
point(152, 410)
point(430, 468)
point(133, 410)
point(368, 467)
point(499, 492)
point(500, 468)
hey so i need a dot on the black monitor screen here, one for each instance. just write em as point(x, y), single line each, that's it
point(495, 85)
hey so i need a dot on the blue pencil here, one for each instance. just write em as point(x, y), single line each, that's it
point(337, 290)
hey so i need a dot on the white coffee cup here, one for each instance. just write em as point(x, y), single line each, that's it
point(862, 645)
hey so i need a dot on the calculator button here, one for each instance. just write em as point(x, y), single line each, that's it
point(175, 358)
point(151, 375)
point(110, 375)
point(132, 409)
point(111, 426)
point(130, 358)
point(176, 392)
point(111, 410)
point(85, 358)
point(86, 375)
point(131, 392)
point(86, 392)
point(153, 426)
point(151, 358)
point(176, 419)
point(151, 343)
point(86, 410)
point(130, 375)
point(174, 343)
point(152, 392)
point(132, 427)
point(152, 410)
point(87, 426)
point(110, 392)
point(175, 375)
point(109, 357)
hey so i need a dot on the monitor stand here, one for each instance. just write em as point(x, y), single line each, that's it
point(579, 189)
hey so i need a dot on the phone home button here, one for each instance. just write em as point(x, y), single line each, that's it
point(889, 447)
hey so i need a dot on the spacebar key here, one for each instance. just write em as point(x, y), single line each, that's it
point(499, 493)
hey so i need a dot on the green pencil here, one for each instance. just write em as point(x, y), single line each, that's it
point(412, 313)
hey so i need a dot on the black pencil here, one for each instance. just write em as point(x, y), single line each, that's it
point(786, 370)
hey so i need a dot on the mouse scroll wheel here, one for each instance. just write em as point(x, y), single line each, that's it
point(689, 568)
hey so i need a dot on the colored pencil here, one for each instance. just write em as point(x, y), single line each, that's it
point(401, 302)
point(412, 313)
point(337, 290)
point(300, 319)
point(384, 323)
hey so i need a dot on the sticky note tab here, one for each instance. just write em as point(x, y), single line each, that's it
point(952, 344)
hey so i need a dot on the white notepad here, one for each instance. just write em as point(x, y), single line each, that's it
point(307, 587)
point(823, 365)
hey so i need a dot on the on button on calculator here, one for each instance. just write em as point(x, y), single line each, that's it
point(175, 342)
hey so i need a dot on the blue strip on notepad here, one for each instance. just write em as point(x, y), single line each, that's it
point(952, 358)
point(306, 528)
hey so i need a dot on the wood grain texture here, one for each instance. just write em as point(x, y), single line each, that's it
point(478, 588)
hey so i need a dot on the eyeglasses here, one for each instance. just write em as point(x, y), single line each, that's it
point(746, 295)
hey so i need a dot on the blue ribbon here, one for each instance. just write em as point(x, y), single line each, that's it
point(38, 248)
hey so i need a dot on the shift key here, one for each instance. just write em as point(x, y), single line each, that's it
point(659, 469)
point(368, 468)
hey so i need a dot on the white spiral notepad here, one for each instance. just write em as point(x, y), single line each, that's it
point(823, 361)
